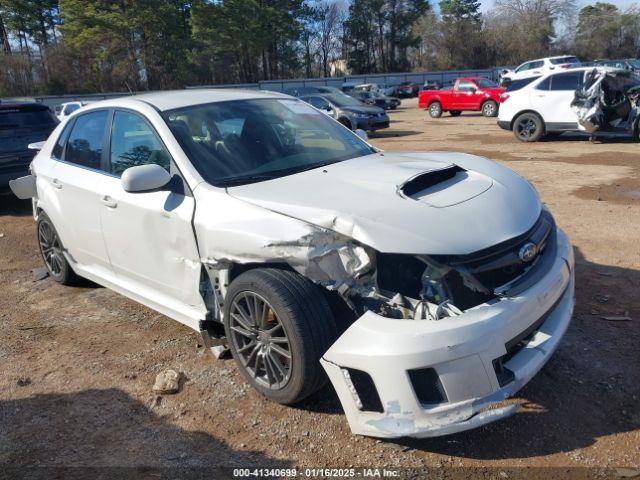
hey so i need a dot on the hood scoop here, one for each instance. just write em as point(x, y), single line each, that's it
point(445, 187)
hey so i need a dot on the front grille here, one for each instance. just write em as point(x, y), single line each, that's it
point(496, 266)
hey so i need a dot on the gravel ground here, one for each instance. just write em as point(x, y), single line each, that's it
point(79, 363)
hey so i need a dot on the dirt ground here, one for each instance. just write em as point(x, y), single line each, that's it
point(78, 364)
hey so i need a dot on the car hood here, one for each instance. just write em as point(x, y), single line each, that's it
point(414, 203)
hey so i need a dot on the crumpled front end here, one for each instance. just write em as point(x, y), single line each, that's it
point(608, 100)
point(429, 377)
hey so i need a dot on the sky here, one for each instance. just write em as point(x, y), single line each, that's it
point(621, 4)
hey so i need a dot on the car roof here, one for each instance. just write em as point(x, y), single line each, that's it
point(169, 100)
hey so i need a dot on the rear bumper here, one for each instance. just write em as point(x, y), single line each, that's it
point(474, 363)
point(504, 125)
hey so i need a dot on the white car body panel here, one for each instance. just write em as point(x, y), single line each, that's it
point(154, 246)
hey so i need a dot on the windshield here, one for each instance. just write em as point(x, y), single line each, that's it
point(561, 60)
point(343, 100)
point(485, 83)
point(247, 141)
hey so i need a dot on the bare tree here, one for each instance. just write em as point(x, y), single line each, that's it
point(330, 18)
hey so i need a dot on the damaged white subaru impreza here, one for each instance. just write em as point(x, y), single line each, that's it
point(430, 286)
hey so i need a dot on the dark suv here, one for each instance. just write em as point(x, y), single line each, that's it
point(20, 125)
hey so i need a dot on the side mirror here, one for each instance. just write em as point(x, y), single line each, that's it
point(473, 89)
point(362, 134)
point(144, 178)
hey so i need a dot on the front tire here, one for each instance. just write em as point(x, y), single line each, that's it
point(435, 110)
point(278, 326)
point(528, 127)
point(52, 252)
point(490, 109)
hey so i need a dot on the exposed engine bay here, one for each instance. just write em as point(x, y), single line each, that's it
point(608, 101)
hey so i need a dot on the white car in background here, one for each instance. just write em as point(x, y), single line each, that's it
point(65, 109)
point(543, 107)
point(539, 67)
point(430, 286)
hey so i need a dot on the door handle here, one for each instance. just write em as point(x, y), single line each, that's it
point(56, 183)
point(109, 202)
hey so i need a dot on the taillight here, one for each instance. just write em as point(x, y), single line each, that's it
point(504, 96)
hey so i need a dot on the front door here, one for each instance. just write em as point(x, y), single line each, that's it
point(149, 235)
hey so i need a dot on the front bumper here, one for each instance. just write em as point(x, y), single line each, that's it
point(504, 125)
point(372, 123)
point(468, 356)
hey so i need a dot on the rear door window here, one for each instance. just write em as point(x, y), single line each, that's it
point(568, 81)
point(514, 85)
point(86, 140)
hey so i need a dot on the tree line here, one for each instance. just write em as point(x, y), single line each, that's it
point(76, 46)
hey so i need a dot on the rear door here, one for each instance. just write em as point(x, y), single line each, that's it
point(75, 180)
point(552, 98)
point(149, 235)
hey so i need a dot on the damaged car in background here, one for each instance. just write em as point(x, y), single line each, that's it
point(577, 99)
point(429, 286)
point(608, 101)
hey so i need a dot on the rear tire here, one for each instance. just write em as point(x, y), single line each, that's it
point(455, 113)
point(528, 127)
point(435, 110)
point(490, 109)
point(278, 340)
point(52, 252)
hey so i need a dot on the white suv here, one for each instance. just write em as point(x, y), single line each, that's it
point(543, 106)
point(539, 67)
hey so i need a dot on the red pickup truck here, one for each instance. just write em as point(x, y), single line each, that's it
point(468, 93)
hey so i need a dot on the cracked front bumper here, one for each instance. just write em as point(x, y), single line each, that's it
point(468, 355)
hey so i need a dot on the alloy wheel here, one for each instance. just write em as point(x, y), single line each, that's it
point(50, 248)
point(526, 128)
point(489, 109)
point(260, 340)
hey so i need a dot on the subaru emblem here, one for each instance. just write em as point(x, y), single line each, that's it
point(528, 252)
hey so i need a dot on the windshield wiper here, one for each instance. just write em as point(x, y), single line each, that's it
point(246, 179)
